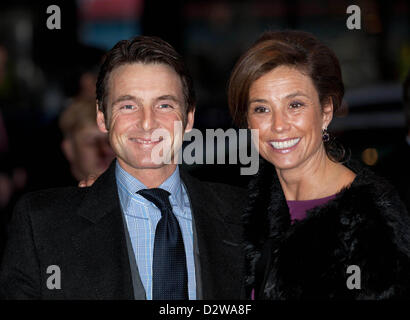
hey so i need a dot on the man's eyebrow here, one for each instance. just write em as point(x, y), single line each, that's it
point(125, 98)
point(168, 97)
point(128, 97)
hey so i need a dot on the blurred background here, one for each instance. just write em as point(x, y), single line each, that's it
point(43, 72)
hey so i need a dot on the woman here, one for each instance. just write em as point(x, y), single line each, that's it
point(315, 227)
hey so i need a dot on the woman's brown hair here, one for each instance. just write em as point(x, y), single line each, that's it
point(292, 48)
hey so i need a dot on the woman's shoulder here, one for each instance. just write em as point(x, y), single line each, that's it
point(371, 203)
point(370, 196)
point(369, 188)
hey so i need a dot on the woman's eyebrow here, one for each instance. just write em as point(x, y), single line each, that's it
point(258, 101)
point(295, 94)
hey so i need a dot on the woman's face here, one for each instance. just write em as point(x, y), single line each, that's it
point(284, 105)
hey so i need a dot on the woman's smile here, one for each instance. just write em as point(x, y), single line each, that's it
point(284, 145)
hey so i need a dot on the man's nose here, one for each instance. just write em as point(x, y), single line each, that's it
point(148, 119)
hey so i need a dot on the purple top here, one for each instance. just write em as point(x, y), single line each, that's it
point(298, 208)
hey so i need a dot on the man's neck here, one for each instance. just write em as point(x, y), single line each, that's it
point(150, 177)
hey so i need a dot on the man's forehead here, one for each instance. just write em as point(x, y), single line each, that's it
point(142, 69)
point(157, 78)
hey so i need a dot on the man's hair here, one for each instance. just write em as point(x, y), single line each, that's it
point(78, 115)
point(146, 50)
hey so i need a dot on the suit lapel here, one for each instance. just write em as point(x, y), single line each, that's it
point(220, 254)
point(101, 246)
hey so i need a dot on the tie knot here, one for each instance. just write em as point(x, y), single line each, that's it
point(157, 196)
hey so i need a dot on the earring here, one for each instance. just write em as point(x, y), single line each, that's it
point(325, 135)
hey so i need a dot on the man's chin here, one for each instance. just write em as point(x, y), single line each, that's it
point(148, 165)
point(144, 163)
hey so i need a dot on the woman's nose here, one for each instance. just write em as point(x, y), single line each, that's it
point(280, 122)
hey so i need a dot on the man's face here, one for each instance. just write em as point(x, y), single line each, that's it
point(143, 98)
point(88, 151)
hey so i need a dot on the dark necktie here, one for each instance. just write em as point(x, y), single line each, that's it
point(169, 271)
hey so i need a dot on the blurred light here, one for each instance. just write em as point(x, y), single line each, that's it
point(370, 156)
point(23, 30)
point(373, 23)
point(102, 23)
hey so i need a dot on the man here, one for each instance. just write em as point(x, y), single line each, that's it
point(86, 148)
point(144, 230)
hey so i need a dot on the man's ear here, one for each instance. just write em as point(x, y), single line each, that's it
point(327, 113)
point(101, 120)
point(68, 149)
point(190, 120)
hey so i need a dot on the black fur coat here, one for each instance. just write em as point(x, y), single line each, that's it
point(366, 225)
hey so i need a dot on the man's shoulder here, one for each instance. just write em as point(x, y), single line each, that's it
point(53, 200)
point(53, 195)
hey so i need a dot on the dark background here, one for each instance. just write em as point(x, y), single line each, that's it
point(43, 67)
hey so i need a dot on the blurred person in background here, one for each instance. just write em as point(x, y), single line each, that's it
point(312, 214)
point(85, 147)
point(13, 181)
point(13, 176)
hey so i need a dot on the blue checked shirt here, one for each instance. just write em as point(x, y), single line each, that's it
point(142, 217)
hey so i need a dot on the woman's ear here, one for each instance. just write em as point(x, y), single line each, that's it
point(327, 113)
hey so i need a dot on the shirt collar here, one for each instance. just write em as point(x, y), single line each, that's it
point(132, 185)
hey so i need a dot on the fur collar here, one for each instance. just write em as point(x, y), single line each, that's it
point(267, 214)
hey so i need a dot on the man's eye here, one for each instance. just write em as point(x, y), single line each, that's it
point(165, 106)
point(127, 107)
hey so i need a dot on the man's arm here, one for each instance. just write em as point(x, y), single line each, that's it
point(19, 272)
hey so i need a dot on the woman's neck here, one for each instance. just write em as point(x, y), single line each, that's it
point(318, 177)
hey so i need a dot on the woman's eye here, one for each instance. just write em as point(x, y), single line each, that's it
point(260, 109)
point(295, 105)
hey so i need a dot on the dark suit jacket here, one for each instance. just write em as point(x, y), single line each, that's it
point(81, 230)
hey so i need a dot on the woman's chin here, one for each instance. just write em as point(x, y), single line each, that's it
point(282, 163)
